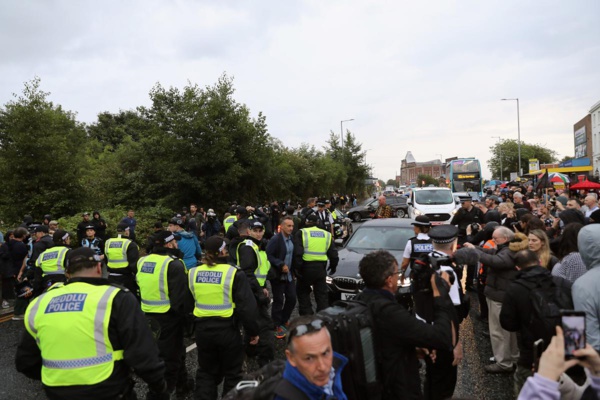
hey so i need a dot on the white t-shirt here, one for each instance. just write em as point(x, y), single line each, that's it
point(408, 248)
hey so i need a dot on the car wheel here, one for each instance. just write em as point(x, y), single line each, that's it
point(356, 217)
point(401, 213)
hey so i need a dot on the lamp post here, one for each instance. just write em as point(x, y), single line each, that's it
point(342, 129)
point(518, 130)
point(500, 148)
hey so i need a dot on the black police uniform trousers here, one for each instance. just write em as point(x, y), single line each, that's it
point(284, 300)
point(264, 351)
point(171, 348)
point(440, 377)
point(312, 274)
point(220, 356)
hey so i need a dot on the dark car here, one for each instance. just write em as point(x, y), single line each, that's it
point(367, 209)
point(389, 234)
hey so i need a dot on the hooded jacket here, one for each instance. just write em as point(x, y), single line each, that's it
point(586, 289)
point(190, 248)
point(501, 266)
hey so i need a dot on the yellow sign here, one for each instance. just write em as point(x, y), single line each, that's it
point(466, 176)
point(534, 164)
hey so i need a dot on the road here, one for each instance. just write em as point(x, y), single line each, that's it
point(473, 382)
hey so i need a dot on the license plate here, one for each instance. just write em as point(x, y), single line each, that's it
point(348, 296)
point(437, 223)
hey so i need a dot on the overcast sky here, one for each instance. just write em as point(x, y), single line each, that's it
point(425, 77)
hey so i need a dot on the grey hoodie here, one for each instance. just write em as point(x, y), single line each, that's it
point(586, 289)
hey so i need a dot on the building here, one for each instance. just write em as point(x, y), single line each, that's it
point(410, 169)
point(595, 127)
point(583, 137)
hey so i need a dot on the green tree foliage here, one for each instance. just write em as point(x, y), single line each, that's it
point(41, 156)
point(507, 150)
point(428, 179)
point(391, 182)
point(352, 158)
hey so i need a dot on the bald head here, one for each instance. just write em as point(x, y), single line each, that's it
point(591, 201)
point(382, 200)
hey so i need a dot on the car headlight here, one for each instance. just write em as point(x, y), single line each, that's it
point(328, 280)
point(453, 212)
point(417, 212)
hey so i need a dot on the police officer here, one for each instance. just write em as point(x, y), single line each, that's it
point(312, 248)
point(50, 265)
point(441, 375)
point(223, 298)
point(162, 279)
point(417, 245)
point(253, 261)
point(85, 336)
point(93, 242)
point(325, 221)
point(122, 256)
point(228, 221)
point(466, 215)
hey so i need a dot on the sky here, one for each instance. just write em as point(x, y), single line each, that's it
point(425, 77)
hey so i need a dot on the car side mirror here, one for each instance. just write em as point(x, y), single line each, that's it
point(410, 203)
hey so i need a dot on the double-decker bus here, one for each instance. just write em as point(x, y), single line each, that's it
point(464, 175)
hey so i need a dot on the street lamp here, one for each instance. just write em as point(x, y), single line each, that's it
point(342, 129)
point(500, 148)
point(518, 131)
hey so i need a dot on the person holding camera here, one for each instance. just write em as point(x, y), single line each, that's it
point(400, 335)
point(212, 226)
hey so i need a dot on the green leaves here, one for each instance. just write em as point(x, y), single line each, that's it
point(506, 153)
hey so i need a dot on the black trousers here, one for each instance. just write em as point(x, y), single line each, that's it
point(220, 358)
point(483, 307)
point(284, 301)
point(264, 351)
point(312, 274)
point(171, 348)
point(440, 378)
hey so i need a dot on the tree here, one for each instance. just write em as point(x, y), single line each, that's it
point(391, 182)
point(507, 152)
point(41, 156)
point(428, 179)
point(352, 158)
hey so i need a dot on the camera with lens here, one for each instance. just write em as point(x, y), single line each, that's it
point(474, 228)
point(548, 222)
point(423, 268)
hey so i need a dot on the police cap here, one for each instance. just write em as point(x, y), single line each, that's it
point(215, 244)
point(443, 233)
point(41, 228)
point(257, 225)
point(164, 237)
point(90, 227)
point(177, 221)
point(79, 255)
point(122, 227)
point(422, 220)
point(60, 235)
point(312, 218)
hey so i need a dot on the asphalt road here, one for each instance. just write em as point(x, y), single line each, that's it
point(473, 382)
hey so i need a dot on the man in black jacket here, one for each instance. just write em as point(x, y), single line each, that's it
point(399, 333)
point(464, 217)
point(517, 308)
point(128, 333)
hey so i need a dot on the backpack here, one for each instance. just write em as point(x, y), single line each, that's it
point(352, 332)
point(264, 384)
point(547, 299)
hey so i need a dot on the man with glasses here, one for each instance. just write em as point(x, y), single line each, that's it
point(312, 370)
point(399, 333)
point(501, 272)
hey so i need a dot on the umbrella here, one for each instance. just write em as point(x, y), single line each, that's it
point(557, 177)
point(586, 185)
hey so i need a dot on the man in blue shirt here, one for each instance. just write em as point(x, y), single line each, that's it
point(131, 223)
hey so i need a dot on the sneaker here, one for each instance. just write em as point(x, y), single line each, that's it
point(18, 317)
point(498, 369)
point(5, 304)
point(280, 332)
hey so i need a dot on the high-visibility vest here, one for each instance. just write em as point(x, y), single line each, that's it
point(262, 262)
point(151, 277)
point(334, 215)
point(227, 222)
point(116, 252)
point(70, 325)
point(316, 242)
point(52, 261)
point(212, 288)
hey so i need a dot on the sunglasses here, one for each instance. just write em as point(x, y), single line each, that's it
point(303, 329)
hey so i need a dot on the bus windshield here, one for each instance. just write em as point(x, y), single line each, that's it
point(462, 166)
point(434, 197)
point(467, 186)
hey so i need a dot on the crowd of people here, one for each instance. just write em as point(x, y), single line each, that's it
point(96, 307)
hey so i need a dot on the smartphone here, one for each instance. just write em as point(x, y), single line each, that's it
point(538, 349)
point(573, 326)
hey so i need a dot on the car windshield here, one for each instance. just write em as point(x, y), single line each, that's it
point(380, 237)
point(434, 197)
point(368, 201)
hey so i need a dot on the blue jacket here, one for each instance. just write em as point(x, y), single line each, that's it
point(276, 252)
point(291, 374)
point(190, 248)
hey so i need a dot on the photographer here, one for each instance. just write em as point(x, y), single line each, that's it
point(212, 226)
point(467, 216)
point(399, 333)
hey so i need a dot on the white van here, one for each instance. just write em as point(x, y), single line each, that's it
point(435, 202)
